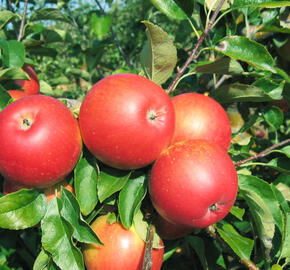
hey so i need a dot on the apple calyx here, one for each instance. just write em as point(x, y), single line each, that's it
point(151, 115)
point(26, 123)
point(214, 207)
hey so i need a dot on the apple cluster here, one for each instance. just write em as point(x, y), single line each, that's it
point(127, 122)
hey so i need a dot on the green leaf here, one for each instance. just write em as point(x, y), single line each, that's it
point(237, 212)
point(260, 3)
point(71, 213)
point(186, 5)
point(286, 243)
point(6, 16)
point(22, 209)
point(141, 226)
point(274, 29)
point(101, 25)
point(263, 213)
point(274, 117)
point(170, 9)
point(279, 164)
point(111, 181)
point(237, 92)
point(197, 244)
point(13, 74)
point(265, 191)
point(44, 262)
point(57, 238)
point(273, 89)
point(13, 53)
point(159, 55)
point(53, 14)
point(130, 199)
point(285, 150)
point(244, 49)
point(223, 65)
point(241, 245)
point(85, 185)
point(4, 98)
point(212, 4)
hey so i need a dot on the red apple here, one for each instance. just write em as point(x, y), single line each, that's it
point(40, 141)
point(193, 183)
point(30, 87)
point(126, 121)
point(200, 117)
point(12, 186)
point(17, 94)
point(122, 250)
point(168, 230)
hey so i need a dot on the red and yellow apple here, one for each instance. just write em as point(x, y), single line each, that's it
point(193, 183)
point(122, 249)
point(200, 117)
point(40, 141)
point(126, 121)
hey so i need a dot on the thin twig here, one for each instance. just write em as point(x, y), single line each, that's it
point(20, 34)
point(263, 153)
point(221, 81)
point(147, 261)
point(195, 49)
point(119, 47)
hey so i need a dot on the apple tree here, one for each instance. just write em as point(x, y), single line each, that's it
point(233, 52)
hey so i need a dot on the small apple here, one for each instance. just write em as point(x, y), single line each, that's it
point(126, 121)
point(30, 87)
point(167, 230)
point(193, 183)
point(200, 117)
point(40, 141)
point(122, 249)
point(17, 94)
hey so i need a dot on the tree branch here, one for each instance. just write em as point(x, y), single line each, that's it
point(195, 49)
point(263, 153)
point(20, 34)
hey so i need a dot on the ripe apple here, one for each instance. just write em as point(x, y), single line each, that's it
point(17, 94)
point(126, 121)
point(169, 231)
point(12, 186)
point(200, 117)
point(122, 249)
point(40, 141)
point(30, 87)
point(193, 183)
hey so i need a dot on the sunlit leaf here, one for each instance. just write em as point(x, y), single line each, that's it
point(159, 55)
point(260, 3)
point(111, 181)
point(170, 9)
point(71, 212)
point(244, 49)
point(130, 199)
point(274, 117)
point(22, 209)
point(13, 53)
point(241, 245)
point(85, 185)
point(57, 238)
